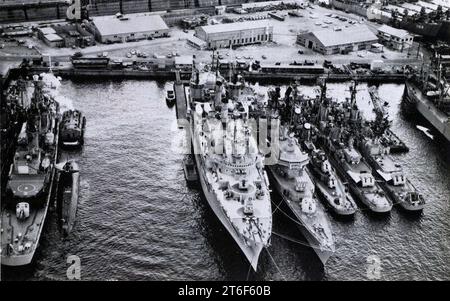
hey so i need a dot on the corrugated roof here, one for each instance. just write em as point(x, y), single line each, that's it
point(184, 60)
point(235, 26)
point(196, 40)
point(111, 25)
point(400, 33)
point(354, 34)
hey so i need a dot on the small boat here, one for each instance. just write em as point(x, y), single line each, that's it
point(425, 130)
point(170, 98)
point(71, 131)
point(68, 190)
point(190, 172)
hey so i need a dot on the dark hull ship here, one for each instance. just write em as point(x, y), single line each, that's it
point(71, 132)
point(68, 190)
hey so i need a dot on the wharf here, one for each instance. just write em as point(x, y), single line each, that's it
point(378, 78)
point(180, 96)
point(170, 74)
point(111, 73)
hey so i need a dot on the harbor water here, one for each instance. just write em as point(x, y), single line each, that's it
point(137, 219)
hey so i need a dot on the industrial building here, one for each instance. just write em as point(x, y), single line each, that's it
point(395, 38)
point(196, 43)
point(235, 34)
point(65, 35)
point(329, 41)
point(127, 28)
point(49, 37)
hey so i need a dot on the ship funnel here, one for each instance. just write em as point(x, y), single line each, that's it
point(22, 210)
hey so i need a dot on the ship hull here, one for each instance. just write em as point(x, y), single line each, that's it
point(252, 254)
point(426, 108)
point(37, 217)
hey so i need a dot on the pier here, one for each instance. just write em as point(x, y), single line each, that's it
point(180, 96)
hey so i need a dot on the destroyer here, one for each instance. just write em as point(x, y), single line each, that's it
point(329, 185)
point(30, 181)
point(392, 176)
point(295, 186)
point(228, 162)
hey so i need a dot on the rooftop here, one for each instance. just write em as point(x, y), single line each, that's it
point(196, 40)
point(235, 26)
point(111, 25)
point(400, 33)
point(355, 34)
point(184, 60)
point(52, 37)
point(46, 30)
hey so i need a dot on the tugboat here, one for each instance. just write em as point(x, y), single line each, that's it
point(329, 185)
point(190, 172)
point(392, 176)
point(30, 181)
point(230, 167)
point(68, 189)
point(71, 131)
point(295, 186)
point(170, 98)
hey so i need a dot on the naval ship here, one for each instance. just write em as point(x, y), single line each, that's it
point(295, 186)
point(393, 178)
point(30, 180)
point(230, 167)
point(429, 93)
point(329, 185)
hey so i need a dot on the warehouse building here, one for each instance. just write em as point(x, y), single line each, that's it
point(127, 28)
point(395, 38)
point(49, 36)
point(235, 34)
point(53, 40)
point(343, 41)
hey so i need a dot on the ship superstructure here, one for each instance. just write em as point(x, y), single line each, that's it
point(295, 186)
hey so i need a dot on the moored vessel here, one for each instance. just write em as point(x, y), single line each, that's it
point(229, 165)
point(30, 181)
point(72, 127)
point(329, 185)
point(429, 93)
point(67, 194)
point(393, 178)
point(294, 185)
